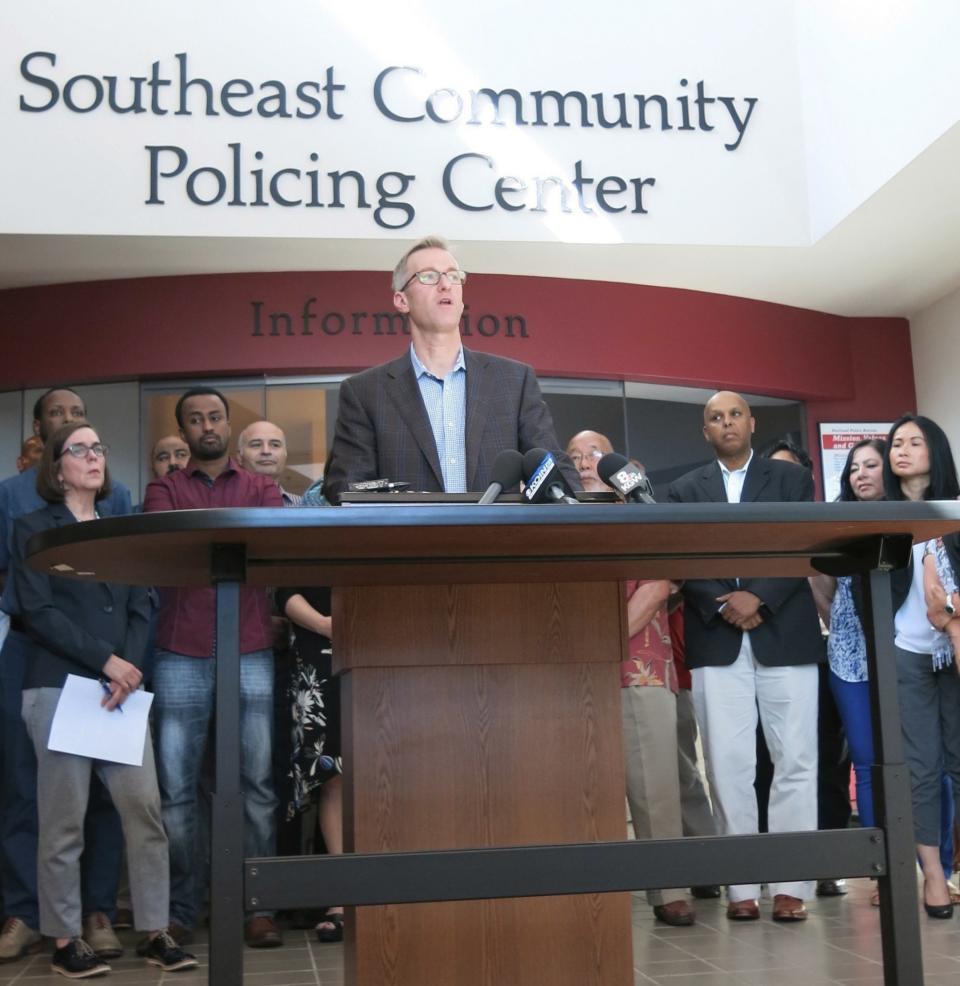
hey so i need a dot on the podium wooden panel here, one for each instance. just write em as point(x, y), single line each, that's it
point(484, 716)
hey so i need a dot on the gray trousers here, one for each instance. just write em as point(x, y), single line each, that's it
point(653, 784)
point(695, 810)
point(930, 723)
point(63, 788)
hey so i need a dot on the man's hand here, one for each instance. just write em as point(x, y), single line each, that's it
point(741, 609)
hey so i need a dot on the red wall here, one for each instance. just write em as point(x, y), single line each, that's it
point(843, 368)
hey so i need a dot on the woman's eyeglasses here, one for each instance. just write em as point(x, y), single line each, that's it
point(80, 451)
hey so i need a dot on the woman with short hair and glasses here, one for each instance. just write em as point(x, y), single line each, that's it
point(93, 630)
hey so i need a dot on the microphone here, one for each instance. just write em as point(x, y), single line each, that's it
point(377, 486)
point(507, 471)
point(545, 482)
point(626, 479)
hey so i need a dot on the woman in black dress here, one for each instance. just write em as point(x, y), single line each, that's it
point(315, 706)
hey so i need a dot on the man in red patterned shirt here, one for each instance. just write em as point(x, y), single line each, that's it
point(648, 681)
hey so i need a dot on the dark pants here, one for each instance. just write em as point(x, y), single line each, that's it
point(103, 836)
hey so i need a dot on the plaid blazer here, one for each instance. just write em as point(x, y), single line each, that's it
point(383, 431)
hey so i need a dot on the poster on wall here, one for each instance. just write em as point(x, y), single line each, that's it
point(836, 440)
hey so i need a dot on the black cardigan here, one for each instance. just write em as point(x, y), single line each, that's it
point(73, 625)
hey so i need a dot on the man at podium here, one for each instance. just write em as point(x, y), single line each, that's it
point(437, 416)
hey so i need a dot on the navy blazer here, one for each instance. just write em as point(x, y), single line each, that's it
point(383, 431)
point(790, 632)
point(73, 625)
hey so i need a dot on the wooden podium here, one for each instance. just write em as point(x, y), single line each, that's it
point(479, 650)
point(477, 716)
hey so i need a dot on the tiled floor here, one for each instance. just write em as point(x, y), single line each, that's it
point(840, 944)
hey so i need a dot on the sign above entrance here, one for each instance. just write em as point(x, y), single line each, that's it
point(357, 123)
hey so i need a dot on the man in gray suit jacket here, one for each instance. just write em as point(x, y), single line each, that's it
point(753, 646)
point(437, 416)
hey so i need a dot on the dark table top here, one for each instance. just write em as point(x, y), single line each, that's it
point(439, 543)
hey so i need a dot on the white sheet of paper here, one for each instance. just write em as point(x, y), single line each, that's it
point(82, 726)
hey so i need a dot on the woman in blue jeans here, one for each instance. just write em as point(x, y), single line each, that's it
point(862, 479)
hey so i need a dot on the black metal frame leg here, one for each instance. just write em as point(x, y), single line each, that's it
point(227, 819)
point(899, 922)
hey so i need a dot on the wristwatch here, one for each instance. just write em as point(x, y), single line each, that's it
point(951, 610)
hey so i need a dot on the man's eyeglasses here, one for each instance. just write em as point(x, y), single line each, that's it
point(576, 458)
point(433, 277)
point(80, 451)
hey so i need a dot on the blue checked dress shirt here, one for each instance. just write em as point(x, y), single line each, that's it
point(446, 404)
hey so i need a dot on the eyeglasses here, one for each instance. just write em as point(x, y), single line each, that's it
point(576, 458)
point(433, 277)
point(80, 451)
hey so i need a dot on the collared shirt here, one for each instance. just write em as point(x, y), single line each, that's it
point(19, 496)
point(188, 615)
point(446, 404)
point(290, 499)
point(733, 480)
point(651, 652)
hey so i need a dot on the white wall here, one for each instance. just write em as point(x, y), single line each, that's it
point(878, 79)
point(64, 171)
point(935, 338)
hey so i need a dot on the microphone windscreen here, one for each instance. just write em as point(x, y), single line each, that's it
point(610, 464)
point(531, 460)
point(507, 469)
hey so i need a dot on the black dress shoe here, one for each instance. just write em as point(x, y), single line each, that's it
point(831, 888)
point(708, 891)
point(941, 911)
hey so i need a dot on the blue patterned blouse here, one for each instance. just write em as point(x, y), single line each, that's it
point(846, 646)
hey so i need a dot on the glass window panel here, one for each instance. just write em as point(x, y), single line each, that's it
point(306, 416)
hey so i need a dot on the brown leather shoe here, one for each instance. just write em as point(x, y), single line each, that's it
point(261, 932)
point(678, 913)
point(787, 908)
point(743, 910)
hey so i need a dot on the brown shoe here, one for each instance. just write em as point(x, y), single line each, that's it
point(261, 932)
point(787, 908)
point(743, 910)
point(678, 913)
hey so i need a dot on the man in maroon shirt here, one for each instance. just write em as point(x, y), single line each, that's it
point(184, 674)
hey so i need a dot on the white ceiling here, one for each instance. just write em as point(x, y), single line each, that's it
point(894, 255)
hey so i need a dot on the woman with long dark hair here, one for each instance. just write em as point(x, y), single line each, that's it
point(920, 466)
point(861, 480)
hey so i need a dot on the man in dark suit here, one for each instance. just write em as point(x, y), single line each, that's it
point(753, 646)
point(437, 416)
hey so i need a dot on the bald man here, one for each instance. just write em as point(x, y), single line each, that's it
point(262, 448)
point(586, 449)
point(753, 646)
